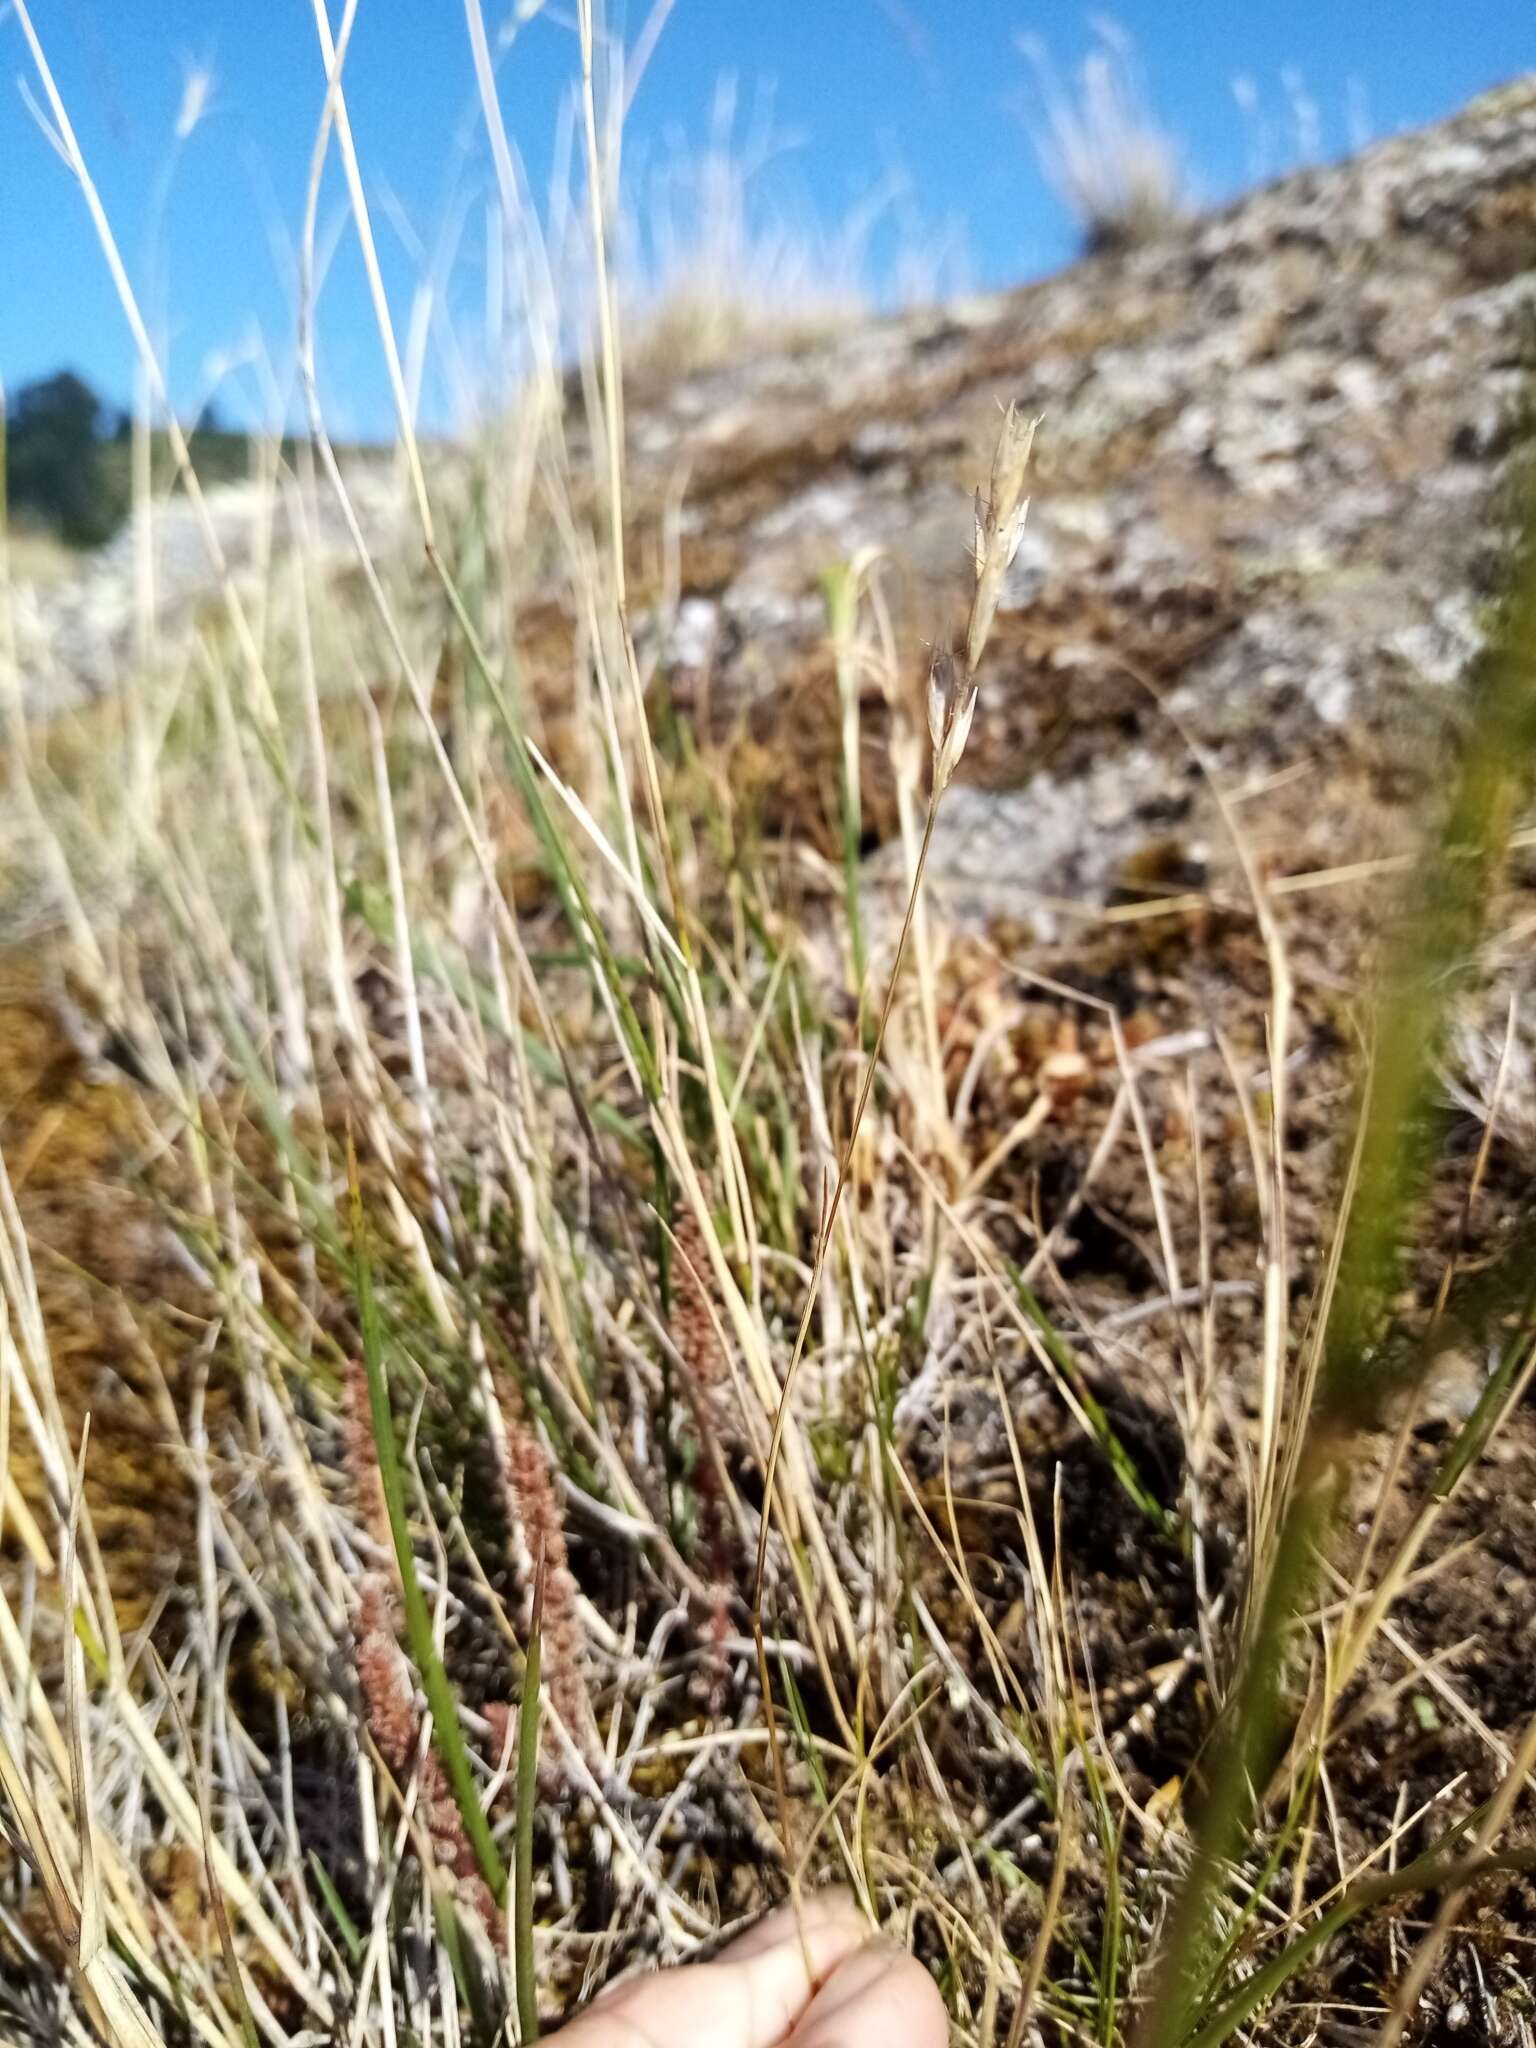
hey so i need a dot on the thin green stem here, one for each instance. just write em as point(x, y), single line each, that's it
point(528, 1720)
point(1435, 941)
point(829, 1221)
point(1436, 1871)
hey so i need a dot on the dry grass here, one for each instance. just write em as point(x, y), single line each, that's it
point(714, 267)
point(643, 1238)
point(1105, 155)
point(38, 558)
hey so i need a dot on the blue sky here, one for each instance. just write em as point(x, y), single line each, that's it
point(931, 89)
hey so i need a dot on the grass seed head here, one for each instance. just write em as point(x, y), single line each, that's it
point(535, 1518)
point(951, 707)
point(1000, 518)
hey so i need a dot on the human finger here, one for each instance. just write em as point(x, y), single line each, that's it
point(878, 1997)
point(748, 1997)
point(820, 1913)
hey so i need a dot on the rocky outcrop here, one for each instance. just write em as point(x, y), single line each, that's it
point(143, 595)
point(1267, 515)
point(1268, 512)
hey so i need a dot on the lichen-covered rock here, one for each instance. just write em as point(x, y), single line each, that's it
point(1267, 509)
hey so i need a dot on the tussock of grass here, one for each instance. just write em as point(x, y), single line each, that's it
point(585, 1327)
point(1102, 150)
point(713, 269)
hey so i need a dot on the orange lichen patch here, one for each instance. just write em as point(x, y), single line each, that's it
point(707, 563)
point(786, 770)
point(1501, 233)
point(126, 1314)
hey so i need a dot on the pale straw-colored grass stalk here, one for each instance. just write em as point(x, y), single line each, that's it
point(952, 691)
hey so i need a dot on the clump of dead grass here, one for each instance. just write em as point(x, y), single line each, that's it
point(714, 266)
point(1102, 150)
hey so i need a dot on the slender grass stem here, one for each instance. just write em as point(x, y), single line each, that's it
point(829, 1220)
point(528, 1723)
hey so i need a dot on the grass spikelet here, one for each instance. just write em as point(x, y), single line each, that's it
point(447, 1778)
point(532, 1507)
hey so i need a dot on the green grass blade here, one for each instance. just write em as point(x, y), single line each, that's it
point(1121, 1463)
point(528, 1721)
point(346, 1926)
point(1434, 1872)
point(1429, 955)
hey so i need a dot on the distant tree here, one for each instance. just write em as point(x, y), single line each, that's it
point(53, 459)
